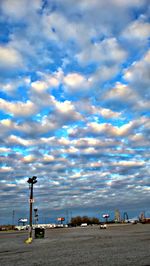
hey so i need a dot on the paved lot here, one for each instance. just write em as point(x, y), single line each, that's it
point(118, 245)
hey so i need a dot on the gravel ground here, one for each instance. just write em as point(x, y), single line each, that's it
point(118, 245)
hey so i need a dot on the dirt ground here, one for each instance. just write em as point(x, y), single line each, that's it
point(118, 245)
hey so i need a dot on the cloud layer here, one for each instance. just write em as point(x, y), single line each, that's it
point(74, 105)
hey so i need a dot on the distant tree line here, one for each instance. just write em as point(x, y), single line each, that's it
point(78, 220)
point(6, 227)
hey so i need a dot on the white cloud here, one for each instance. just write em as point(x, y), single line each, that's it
point(75, 83)
point(106, 128)
point(93, 142)
point(39, 86)
point(127, 2)
point(129, 163)
point(63, 141)
point(72, 150)
point(37, 128)
point(22, 181)
point(4, 150)
point(48, 158)
point(66, 111)
point(29, 159)
point(16, 140)
point(55, 23)
point(10, 86)
point(87, 108)
point(18, 108)
point(107, 113)
point(6, 122)
point(121, 94)
point(128, 96)
point(19, 9)
point(107, 51)
point(137, 30)
point(47, 81)
point(103, 74)
point(6, 169)
point(76, 175)
point(29, 128)
point(10, 58)
point(138, 76)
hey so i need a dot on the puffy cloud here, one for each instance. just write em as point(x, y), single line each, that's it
point(127, 98)
point(138, 76)
point(18, 10)
point(87, 108)
point(48, 158)
point(4, 150)
point(128, 2)
point(29, 128)
point(137, 31)
point(28, 159)
point(107, 113)
point(129, 163)
point(47, 81)
point(16, 140)
point(10, 58)
point(103, 74)
point(76, 31)
point(6, 169)
point(107, 55)
point(11, 86)
point(106, 13)
point(107, 51)
point(93, 142)
point(39, 86)
point(66, 110)
point(6, 126)
point(73, 80)
point(33, 128)
point(76, 83)
point(109, 129)
point(18, 108)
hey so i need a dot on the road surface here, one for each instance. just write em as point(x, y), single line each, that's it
point(118, 245)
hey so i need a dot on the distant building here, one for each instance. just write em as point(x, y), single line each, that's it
point(117, 216)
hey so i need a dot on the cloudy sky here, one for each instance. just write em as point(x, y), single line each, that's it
point(74, 107)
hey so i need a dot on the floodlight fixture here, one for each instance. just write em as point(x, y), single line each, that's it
point(32, 180)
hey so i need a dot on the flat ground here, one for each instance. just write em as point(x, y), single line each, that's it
point(118, 245)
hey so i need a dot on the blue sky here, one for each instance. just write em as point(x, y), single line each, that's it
point(74, 107)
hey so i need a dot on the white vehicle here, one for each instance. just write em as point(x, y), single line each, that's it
point(103, 226)
point(21, 227)
point(84, 225)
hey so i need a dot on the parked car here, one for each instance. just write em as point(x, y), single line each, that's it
point(84, 225)
point(103, 226)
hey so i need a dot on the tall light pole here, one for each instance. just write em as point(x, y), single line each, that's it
point(31, 182)
point(13, 218)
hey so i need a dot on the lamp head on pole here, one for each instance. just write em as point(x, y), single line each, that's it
point(32, 180)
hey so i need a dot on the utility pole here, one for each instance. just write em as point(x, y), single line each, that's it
point(31, 182)
point(13, 217)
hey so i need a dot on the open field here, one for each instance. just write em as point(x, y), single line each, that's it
point(118, 245)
